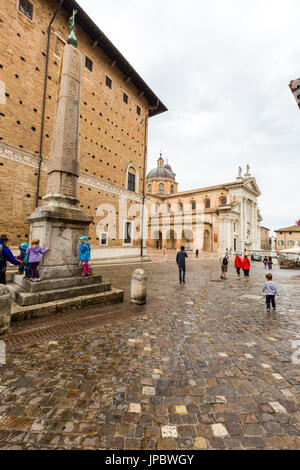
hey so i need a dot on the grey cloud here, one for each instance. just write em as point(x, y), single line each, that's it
point(222, 68)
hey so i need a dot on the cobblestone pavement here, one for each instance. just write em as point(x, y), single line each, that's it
point(202, 365)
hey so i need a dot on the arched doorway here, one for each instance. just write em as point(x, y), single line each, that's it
point(187, 239)
point(157, 239)
point(207, 241)
point(171, 240)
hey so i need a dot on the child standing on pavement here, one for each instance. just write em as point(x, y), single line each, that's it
point(270, 290)
point(34, 253)
point(24, 267)
point(85, 255)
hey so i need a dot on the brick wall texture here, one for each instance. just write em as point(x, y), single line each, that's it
point(112, 133)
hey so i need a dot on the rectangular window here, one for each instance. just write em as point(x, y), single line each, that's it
point(193, 205)
point(108, 82)
point(280, 242)
point(131, 182)
point(26, 8)
point(128, 233)
point(125, 98)
point(103, 239)
point(298, 242)
point(290, 243)
point(89, 64)
point(138, 110)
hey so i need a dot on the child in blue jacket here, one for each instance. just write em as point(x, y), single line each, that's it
point(24, 267)
point(85, 255)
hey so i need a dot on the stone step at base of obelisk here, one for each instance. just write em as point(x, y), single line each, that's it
point(21, 313)
point(23, 297)
point(51, 284)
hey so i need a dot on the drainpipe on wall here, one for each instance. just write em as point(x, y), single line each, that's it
point(153, 108)
point(44, 105)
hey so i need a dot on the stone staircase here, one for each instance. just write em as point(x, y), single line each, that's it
point(51, 295)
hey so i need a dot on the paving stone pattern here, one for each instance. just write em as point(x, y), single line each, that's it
point(200, 366)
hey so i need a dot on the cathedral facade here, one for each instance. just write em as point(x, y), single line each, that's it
point(213, 219)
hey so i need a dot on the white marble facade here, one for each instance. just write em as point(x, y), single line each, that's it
point(239, 220)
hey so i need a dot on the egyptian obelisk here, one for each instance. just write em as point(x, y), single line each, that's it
point(59, 223)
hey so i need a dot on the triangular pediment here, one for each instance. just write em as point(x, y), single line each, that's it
point(252, 186)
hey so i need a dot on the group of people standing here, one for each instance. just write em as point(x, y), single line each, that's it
point(268, 261)
point(29, 258)
point(239, 264)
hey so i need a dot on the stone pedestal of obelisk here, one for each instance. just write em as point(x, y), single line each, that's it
point(59, 223)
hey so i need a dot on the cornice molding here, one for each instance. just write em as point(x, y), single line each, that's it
point(24, 158)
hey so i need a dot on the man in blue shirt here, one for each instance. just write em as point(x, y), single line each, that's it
point(5, 255)
point(180, 260)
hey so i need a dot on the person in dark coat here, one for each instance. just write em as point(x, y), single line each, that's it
point(180, 260)
point(197, 253)
point(270, 262)
point(5, 255)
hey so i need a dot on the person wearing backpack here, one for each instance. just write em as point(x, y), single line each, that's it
point(246, 267)
point(5, 255)
point(24, 267)
point(224, 265)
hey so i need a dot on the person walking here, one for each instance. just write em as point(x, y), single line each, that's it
point(180, 260)
point(5, 255)
point(224, 265)
point(197, 253)
point(238, 265)
point(265, 260)
point(246, 267)
point(270, 290)
point(34, 253)
point(85, 255)
point(270, 262)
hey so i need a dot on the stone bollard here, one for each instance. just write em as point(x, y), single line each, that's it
point(5, 309)
point(139, 287)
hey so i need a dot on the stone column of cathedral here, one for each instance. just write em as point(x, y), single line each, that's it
point(242, 223)
point(256, 227)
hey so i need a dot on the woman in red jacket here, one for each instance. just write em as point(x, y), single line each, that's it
point(238, 265)
point(246, 267)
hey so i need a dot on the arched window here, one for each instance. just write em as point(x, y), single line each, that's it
point(161, 188)
point(207, 204)
point(223, 201)
point(180, 206)
point(172, 189)
point(149, 188)
point(132, 178)
point(156, 208)
point(168, 208)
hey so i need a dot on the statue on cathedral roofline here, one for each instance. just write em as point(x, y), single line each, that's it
point(239, 177)
point(247, 174)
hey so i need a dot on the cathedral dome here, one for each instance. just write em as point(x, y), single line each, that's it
point(161, 172)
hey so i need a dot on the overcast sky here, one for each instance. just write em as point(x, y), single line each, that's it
point(222, 68)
